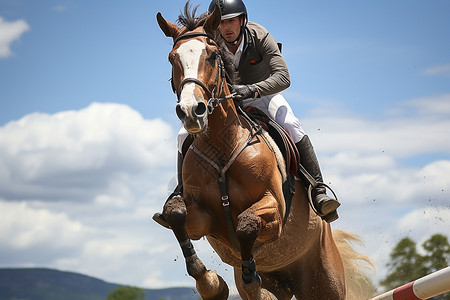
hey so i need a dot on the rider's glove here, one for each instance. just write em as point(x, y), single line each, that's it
point(244, 91)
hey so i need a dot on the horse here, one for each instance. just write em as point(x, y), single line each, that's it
point(232, 187)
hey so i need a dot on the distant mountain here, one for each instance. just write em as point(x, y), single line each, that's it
point(48, 284)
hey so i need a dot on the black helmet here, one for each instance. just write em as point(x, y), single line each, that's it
point(230, 8)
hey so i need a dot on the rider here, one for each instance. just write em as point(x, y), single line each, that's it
point(263, 75)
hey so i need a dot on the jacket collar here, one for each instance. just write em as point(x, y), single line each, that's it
point(248, 39)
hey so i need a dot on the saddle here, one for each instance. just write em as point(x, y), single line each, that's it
point(286, 146)
point(279, 135)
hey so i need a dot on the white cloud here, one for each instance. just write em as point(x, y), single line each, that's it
point(73, 154)
point(91, 179)
point(373, 160)
point(86, 239)
point(438, 70)
point(59, 8)
point(10, 32)
point(387, 171)
point(414, 127)
point(78, 189)
point(421, 223)
point(25, 227)
point(431, 107)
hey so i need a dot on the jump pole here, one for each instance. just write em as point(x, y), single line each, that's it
point(426, 287)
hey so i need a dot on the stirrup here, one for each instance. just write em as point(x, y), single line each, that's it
point(331, 214)
point(328, 209)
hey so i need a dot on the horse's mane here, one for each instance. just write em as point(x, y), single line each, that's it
point(188, 19)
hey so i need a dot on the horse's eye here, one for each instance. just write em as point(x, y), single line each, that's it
point(212, 58)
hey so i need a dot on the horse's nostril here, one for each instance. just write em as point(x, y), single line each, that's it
point(180, 113)
point(200, 110)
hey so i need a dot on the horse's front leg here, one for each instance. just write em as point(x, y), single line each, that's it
point(209, 284)
point(261, 221)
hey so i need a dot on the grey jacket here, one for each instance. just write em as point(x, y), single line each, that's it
point(261, 63)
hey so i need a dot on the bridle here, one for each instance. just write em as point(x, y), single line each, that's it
point(213, 101)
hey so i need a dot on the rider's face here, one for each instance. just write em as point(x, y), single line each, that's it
point(230, 28)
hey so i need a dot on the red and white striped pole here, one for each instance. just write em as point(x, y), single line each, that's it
point(426, 287)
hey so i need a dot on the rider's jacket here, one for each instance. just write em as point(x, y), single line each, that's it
point(261, 62)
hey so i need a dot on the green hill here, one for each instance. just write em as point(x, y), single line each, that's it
point(48, 284)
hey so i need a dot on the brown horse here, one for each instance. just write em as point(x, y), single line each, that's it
point(232, 187)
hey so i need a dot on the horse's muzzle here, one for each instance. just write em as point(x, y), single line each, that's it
point(194, 118)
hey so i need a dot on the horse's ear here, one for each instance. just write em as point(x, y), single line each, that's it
point(213, 21)
point(169, 29)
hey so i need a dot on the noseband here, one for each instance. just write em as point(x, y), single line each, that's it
point(213, 102)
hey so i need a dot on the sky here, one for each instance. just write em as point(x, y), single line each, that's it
point(88, 127)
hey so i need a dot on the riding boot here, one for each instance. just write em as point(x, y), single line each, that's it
point(159, 217)
point(324, 205)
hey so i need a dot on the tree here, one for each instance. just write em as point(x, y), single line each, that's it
point(126, 293)
point(439, 248)
point(408, 265)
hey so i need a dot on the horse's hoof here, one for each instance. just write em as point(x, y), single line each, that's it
point(266, 295)
point(212, 286)
point(223, 289)
point(159, 218)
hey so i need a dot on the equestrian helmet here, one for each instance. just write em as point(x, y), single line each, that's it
point(230, 8)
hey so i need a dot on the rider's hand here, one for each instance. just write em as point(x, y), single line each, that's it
point(244, 91)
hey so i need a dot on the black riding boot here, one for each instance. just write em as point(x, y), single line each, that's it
point(323, 204)
point(158, 217)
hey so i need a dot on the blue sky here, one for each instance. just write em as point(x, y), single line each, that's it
point(87, 126)
point(365, 55)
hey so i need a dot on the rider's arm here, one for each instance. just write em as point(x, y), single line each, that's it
point(263, 66)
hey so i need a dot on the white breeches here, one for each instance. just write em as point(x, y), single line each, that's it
point(274, 106)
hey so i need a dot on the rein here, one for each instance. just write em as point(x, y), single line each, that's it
point(214, 102)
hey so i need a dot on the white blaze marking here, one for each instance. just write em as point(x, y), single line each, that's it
point(190, 53)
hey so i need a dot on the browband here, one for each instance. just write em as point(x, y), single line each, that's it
point(191, 35)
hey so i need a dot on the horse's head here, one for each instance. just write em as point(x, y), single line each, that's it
point(197, 75)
